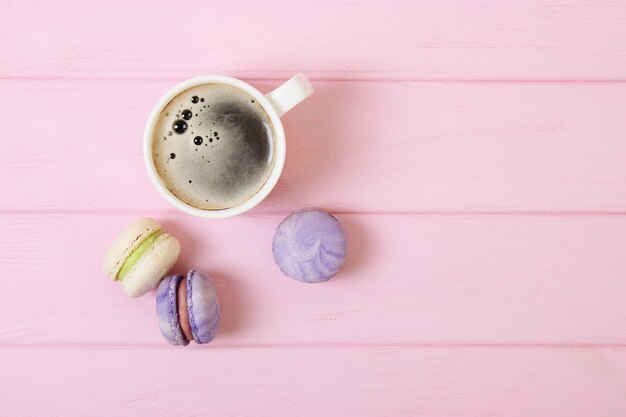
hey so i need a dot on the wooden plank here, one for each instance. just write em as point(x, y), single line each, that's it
point(369, 39)
point(408, 280)
point(354, 147)
point(457, 382)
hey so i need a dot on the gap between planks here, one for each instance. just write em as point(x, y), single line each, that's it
point(314, 76)
point(165, 346)
point(273, 213)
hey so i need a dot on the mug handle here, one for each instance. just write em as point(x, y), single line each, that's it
point(288, 95)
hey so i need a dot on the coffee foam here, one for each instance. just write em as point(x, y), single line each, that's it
point(220, 152)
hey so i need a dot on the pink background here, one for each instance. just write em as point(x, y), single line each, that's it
point(475, 151)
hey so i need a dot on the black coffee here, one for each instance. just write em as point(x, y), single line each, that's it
point(213, 146)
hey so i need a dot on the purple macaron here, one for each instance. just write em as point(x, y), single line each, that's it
point(187, 310)
point(310, 246)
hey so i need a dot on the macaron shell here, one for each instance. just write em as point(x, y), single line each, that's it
point(167, 310)
point(125, 243)
point(152, 266)
point(203, 307)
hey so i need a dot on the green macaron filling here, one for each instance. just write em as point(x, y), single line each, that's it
point(137, 253)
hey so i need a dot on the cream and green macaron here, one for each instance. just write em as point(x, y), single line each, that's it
point(141, 256)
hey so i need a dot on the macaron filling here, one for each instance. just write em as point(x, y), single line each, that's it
point(136, 254)
point(189, 294)
point(183, 312)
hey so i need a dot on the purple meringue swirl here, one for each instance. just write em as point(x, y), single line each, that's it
point(310, 246)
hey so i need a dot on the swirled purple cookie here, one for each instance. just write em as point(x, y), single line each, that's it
point(310, 246)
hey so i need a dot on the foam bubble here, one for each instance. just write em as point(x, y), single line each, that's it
point(179, 126)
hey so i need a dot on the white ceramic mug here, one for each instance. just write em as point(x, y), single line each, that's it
point(275, 104)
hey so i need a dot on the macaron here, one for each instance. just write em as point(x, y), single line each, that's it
point(187, 309)
point(141, 256)
point(310, 246)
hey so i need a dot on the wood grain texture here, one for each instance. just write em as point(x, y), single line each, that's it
point(353, 147)
point(474, 151)
point(407, 39)
point(408, 280)
point(313, 382)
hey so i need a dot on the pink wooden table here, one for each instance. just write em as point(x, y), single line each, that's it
point(475, 151)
